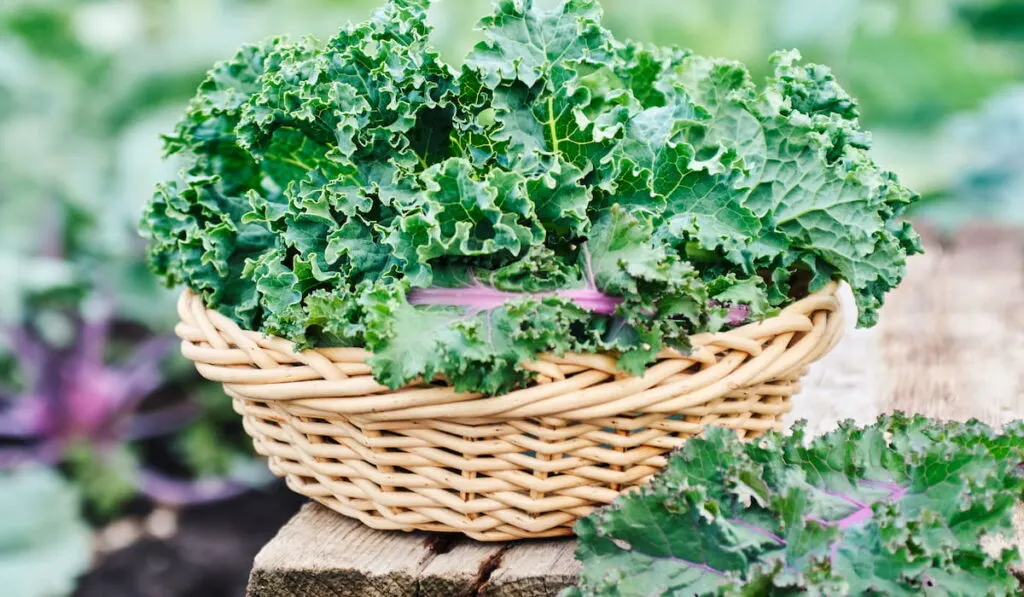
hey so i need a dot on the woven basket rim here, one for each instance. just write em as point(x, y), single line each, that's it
point(320, 380)
point(829, 290)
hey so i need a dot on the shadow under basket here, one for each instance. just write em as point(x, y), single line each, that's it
point(520, 465)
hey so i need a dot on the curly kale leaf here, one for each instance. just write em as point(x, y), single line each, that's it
point(894, 508)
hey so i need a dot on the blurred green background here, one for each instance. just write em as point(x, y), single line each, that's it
point(100, 420)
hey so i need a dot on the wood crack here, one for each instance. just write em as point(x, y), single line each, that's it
point(487, 568)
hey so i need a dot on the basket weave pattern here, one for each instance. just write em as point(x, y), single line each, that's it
point(519, 465)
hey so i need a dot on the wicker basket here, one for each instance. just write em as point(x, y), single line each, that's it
point(524, 464)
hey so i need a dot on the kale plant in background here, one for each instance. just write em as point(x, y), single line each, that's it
point(90, 404)
point(563, 191)
point(44, 543)
point(85, 383)
point(995, 19)
point(988, 182)
point(896, 508)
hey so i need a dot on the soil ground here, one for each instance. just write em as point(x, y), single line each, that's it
point(210, 555)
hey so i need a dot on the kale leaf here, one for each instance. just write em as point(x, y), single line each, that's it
point(895, 508)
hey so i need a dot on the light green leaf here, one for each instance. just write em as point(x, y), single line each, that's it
point(44, 542)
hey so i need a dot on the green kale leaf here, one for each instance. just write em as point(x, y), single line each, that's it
point(895, 508)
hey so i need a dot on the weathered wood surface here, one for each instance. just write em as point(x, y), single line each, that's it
point(322, 554)
point(950, 344)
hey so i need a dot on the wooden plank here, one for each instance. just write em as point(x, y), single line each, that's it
point(322, 554)
point(986, 321)
point(460, 568)
point(954, 334)
point(534, 569)
point(949, 344)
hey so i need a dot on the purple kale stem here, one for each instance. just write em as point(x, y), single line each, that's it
point(93, 337)
point(483, 298)
point(738, 314)
point(898, 494)
point(822, 521)
point(18, 419)
point(49, 393)
point(27, 349)
point(151, 351)
point(860, 516)
point(13, 424)
point(592, 300)
point(864, 512)
point(48, 453)
point(175, 492)
point(142, 373)
point(759, 530)
point(160, 422)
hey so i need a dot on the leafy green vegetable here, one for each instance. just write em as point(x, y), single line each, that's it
point(44, 542)
point(998, 19)
point(561, 191)
point(988, 180)
point(894, 508)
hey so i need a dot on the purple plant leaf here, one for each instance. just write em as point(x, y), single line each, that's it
point(177, 492)
point(73, 392)
point(47, 398)
point(46, 453)
point(160, 422)
point(94, 397)
point(29, 351)
point(99, 396)
point(94, 336)
point(142, 374)
point(20, 419)
point(10, 428)
point(152, 351)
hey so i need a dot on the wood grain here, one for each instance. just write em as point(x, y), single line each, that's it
point(538, 569)
point(321, 554)
point(950, 344)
